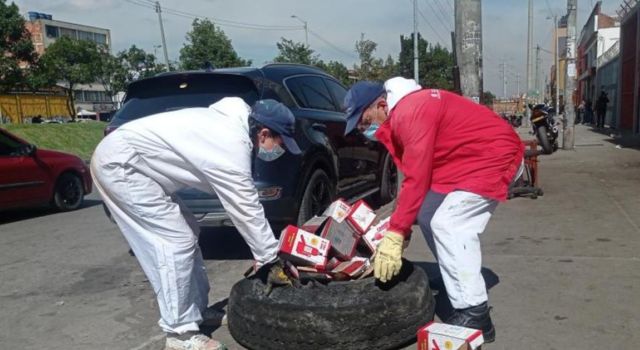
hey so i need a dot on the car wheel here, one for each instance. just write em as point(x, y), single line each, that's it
point(359, 314)
point(316, 197)
point(68, 193)
point(389, 182)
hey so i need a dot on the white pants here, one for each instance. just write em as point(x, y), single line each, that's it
point(452, 224)
point(161, 233)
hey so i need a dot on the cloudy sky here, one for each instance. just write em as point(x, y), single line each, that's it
point(254, 26)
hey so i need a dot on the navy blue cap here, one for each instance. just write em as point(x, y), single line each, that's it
point(358, 98)
point(277, 117)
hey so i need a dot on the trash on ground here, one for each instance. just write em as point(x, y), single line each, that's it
point(440, 336)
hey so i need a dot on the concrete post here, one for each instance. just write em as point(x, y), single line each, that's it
point(468, 18)
point(568, 140)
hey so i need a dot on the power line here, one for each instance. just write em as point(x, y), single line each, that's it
point(444, 25)
point(332, 45)
point(218, 21)
point(432, 28)
point(449, 15)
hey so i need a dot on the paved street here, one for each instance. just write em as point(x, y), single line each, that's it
point(563, 269)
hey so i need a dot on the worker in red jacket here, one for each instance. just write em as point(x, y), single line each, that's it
point(458, 159)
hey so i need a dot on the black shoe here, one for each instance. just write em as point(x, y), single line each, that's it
point(476, 317)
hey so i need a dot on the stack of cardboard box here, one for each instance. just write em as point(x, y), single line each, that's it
point(337, 245)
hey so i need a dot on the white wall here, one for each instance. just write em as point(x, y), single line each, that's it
point(607, 37)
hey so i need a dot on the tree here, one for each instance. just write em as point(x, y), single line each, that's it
point(435, 63)
point(207, 43)
point(15, 47)
point(370, 68)
point(72, 62)
point(487, 98)
point(290, 51)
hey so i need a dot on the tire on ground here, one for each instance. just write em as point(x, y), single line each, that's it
point(543, 138)
point(340, 315)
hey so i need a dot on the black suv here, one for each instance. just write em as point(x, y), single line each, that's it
point(292, 188)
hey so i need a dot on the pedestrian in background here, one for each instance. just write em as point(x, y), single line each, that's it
point(601, 108)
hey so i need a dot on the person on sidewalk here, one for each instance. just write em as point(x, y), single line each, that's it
point(140, 165)
point(601, 108)
point(458, 159)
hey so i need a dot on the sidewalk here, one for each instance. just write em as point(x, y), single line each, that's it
point(562, 269)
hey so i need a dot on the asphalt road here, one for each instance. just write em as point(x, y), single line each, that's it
point(562, 270)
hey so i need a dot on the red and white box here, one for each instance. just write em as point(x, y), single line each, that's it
point(374, 235)
point(314, 224)
point(303, 248)
point(344, 238)
point(440, 336)
point(361, 216)
point(338, 210)
point(352, 268)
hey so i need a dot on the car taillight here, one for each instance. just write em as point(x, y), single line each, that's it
point(109, 129)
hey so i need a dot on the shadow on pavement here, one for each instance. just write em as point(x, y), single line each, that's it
point(443, 306)
point(32, 213)
point(625, 138)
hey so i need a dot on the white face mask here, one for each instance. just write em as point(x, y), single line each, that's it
point(269, 156)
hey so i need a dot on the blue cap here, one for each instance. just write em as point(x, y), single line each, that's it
point(277, 117)
point(358, 98)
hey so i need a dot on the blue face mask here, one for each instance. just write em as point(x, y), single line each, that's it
point(269, 156)
point(370, 132)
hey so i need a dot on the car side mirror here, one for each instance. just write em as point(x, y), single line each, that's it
point(27, 150)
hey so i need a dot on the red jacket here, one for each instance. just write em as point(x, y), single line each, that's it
point(444, 142)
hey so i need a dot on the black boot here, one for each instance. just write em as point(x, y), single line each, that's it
point(476, 317)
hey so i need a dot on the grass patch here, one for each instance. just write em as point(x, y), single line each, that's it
point(75, 138)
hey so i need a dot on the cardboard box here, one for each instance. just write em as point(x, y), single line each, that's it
point(303, 248)
point(361, 216)
point(343, 238)
point(374, 235)
point(314, 224)
point(352, 268)
point(440, 336)
point(338, 210)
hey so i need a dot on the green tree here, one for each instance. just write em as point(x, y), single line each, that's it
point(207, 43)
point(487, 98)
point(435, 63)
point(134, 63)
point(72, 62)
point(370, 67)
point(290, 51)
point(15, 48)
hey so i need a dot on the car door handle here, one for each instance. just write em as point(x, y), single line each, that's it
point(319, 126)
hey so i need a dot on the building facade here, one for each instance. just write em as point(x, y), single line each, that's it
point(630, 69)
point(45, 31)
point(598, 35)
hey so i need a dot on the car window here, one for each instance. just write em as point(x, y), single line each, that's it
point(311, 92)
point(338, 92)
point(175, 92)
point(8, 145)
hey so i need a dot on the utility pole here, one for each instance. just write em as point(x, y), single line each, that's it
point(568, 139)
point(468, 21)
point(518, 84)
point(306, 29)
point(530, 51)
point(504, 79)
point(416, 72)
point(164, 42)
point(537, 76)
point(557, 55)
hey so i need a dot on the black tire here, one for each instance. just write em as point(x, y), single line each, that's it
point(317, 195)
point(389, 182)
point(541, 134)
point(69, 192)
point(340, 315)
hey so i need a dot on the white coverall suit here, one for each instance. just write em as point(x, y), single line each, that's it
point(140, 165)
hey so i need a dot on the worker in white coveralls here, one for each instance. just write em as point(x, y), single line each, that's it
point(140, 165)
point(458, 159)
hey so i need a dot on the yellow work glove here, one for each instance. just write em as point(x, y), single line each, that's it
point(388, 258)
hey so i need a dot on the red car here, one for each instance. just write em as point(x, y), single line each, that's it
point(32, 177)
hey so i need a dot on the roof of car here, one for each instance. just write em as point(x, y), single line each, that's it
point(279, 70)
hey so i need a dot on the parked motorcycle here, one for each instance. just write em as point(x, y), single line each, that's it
point(545, 126)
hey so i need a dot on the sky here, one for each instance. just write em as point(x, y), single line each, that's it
point(334, 26)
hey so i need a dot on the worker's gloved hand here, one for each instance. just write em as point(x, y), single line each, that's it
point(273, 275)
point(388, 258)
